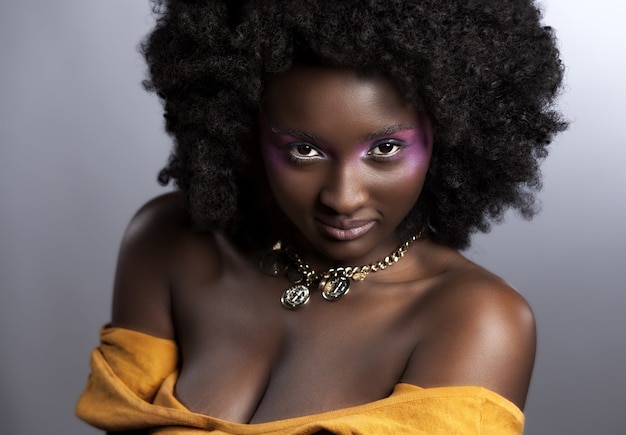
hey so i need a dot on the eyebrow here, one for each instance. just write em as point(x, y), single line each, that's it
point(386, 131)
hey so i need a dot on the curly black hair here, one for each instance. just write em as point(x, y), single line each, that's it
point(487, 73)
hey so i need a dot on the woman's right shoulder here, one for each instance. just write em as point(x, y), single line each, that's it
point(148, 252)
point(163, 212)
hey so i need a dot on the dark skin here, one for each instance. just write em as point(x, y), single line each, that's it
point(433, 319)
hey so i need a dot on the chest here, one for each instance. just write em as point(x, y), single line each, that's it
point(246, 358)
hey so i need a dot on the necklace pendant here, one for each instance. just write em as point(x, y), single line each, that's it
point(335, 287)
point(333, 283)
point(295, 297)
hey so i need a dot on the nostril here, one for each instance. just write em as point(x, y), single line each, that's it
point(344, 195)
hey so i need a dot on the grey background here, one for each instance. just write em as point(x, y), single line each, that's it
point(80, 145)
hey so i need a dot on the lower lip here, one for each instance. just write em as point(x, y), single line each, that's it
point(345, 235)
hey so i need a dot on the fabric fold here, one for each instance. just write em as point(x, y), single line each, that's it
point(133, 375)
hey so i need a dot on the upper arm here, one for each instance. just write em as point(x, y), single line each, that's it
point(141, 296)
point(482, 333)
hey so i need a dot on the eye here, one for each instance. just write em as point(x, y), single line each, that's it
point(303, 151)
point(385, 149)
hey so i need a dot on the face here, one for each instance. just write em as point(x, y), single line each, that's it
point(346, 160)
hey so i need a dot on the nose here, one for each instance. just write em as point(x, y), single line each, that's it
point(345, 189)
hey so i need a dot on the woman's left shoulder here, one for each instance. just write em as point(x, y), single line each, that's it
point(482, 296)
point(480, 331)
point(470, 293)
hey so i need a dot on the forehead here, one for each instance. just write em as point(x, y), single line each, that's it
point(317, 93)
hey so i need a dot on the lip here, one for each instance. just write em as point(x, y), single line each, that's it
point(345, 230)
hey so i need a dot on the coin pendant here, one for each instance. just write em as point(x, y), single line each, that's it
point(336, 288)
point(295, 297)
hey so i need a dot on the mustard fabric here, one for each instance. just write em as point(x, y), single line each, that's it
point(131, 386)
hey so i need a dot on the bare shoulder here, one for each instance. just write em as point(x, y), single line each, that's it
point(141, 298)
point(478, 331)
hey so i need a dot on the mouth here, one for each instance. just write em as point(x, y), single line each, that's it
point(345, 230)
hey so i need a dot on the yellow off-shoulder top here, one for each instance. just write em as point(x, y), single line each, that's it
point(131, 386)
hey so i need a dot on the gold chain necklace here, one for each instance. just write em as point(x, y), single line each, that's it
point(334, 283)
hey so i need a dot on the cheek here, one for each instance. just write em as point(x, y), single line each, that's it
point(287, 186)
point(419, 148)
point(272, 157)
point(412, 170)
point(405, 182)
point(276, 165)
point(416, 159)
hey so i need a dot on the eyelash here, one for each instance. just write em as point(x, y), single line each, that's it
point(292, 149)
point(302, 160)
point(397, 147)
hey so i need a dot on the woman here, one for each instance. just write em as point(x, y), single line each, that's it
point(331, 158)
